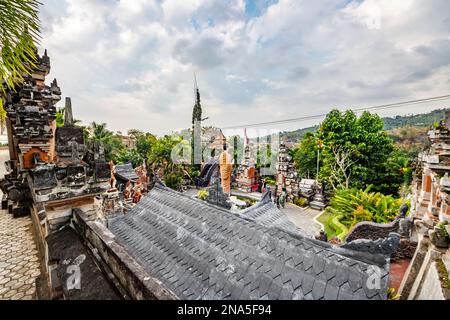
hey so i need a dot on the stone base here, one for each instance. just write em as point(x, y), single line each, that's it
point(318, 205)
point(4, 202)
point(20, 211)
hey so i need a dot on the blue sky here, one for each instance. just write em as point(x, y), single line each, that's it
point(131, 63)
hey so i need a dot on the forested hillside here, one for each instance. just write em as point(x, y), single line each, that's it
point(390, 123)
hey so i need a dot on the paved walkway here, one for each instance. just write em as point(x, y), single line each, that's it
point(303, 218)
point(19, 264)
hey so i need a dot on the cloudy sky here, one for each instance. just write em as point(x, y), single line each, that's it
point(130, 63)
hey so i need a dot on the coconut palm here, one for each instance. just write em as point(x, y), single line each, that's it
point(112, 143)
point(99, 132)
point(19, 31)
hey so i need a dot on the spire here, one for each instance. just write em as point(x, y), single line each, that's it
point(68, 115)
point(197, 112)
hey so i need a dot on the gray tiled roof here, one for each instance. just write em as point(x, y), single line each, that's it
point(200, 251)
point(126, 172)
point(267, 214)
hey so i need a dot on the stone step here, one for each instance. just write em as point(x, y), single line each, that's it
point(317, 205)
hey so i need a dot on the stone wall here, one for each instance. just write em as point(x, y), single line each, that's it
point(371, 230)
point(138, 283)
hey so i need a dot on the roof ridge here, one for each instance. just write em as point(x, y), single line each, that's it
point(342, 251)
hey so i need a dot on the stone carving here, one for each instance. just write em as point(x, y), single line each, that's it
point(209, 169)
point(374, 231)
point(217, 196)
point(404, 227)
point(438, 238)
point(113, 178)
point(322, 236)
point(371, 230)
point(384, 246)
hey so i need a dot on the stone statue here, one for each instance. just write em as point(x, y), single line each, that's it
point(226, 167)
point(112, 181)
point(403, 211)
point(322, 236)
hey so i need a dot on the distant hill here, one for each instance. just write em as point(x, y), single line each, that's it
point(390, 123)
point(420, 120)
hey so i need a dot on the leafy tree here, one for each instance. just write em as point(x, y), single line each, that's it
point(159, 157)
point(364, 144)
point(59, 117)
point(305, 156)
point(132, 156)
point(112, 143)
point(2, 119)
point(144, 142)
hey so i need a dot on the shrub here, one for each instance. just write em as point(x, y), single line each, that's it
point(443, 231)
point(340, 229)
point(203, 194)
point(270, 181)
point(173, 180)
point(301, 202)
point(362, 205)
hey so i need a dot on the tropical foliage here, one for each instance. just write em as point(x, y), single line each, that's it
point(202, 194)
point(356, 152)
point(19, 32)
point(19, 21)
point(356, 205)
point(305, 156)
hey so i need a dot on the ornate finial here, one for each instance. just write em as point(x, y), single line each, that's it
point(68, 115)
point(197, 112)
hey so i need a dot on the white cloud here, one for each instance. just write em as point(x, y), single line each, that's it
point(131, 63)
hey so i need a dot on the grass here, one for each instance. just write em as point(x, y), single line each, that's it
point(333, 228)
point(325, 219)
point(443, 274)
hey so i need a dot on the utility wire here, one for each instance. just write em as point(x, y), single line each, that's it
point(317, 116)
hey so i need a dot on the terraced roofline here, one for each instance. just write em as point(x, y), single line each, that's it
point(200, 251)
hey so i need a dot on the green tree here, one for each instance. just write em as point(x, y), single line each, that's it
point(59, 117)
point(359, 152)
point(132, 156)
point(2, 119)
point(159, 157)
point(305, 156)
point(19, 31)
point(112, 143)
point(144, 142)
point(160, 160)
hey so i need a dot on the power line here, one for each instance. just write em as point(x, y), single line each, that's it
point(317, 116)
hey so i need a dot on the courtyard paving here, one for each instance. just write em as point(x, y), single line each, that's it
point(19, 264)
point(303, 218)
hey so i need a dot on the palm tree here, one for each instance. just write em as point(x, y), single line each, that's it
point(99, 132)
point(19, 31)
point(112, 143)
